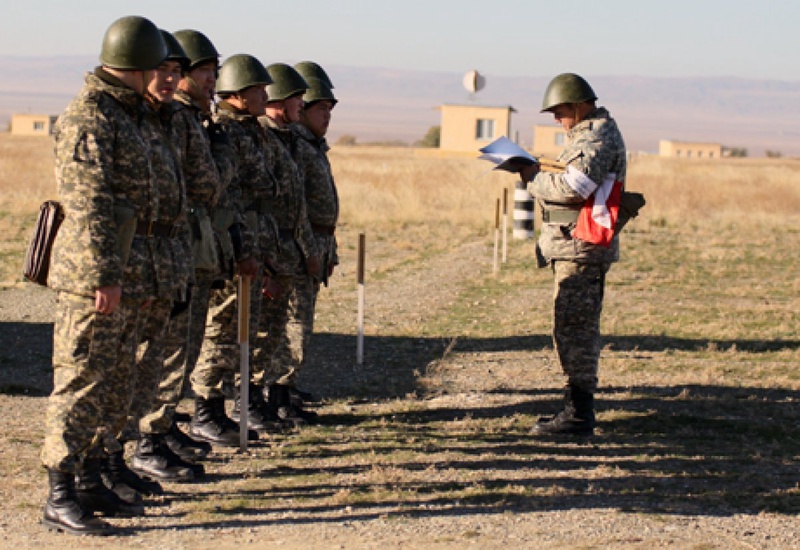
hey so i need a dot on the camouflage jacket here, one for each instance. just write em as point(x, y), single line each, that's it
point(289, 208)
point(206, 175)
point(252, 189)
point(594, 150)
point(160, 266)
point(103, 173)
point(322, 200)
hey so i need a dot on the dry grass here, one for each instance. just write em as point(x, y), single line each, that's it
point(26, 180)
point(698, 406)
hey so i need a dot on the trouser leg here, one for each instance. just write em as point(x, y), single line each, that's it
point(578, 303)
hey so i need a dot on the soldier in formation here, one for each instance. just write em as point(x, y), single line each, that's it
point(107, 187)
point(168, 200)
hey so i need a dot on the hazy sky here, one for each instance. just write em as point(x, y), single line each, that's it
point(752, 39)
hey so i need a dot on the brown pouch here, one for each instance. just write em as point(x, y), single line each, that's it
point(37, 257)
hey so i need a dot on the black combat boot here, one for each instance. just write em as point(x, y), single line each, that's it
point(154, 460)
point(63, 510)
point(280, 403)
point(259, 416)
point(117, 476)
point(577, 418)
point(184, 446)
point(210, 423)
point(94, 496)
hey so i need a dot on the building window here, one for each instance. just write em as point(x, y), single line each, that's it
point(711, 154)
point(484, 129)
point(677, 152)
point(688, 154)
point(561, 139)
point(38, 126)
point(699, 154)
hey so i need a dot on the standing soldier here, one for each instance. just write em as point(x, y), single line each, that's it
point(241, 86)
point(106, 185)
point(285, 318)
point(208, 161)
point(322, 200)
point(579, 210)
point(164, 330)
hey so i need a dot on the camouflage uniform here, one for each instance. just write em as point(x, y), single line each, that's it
point(322, 199)
point(251, 190)
point(108, 188)
point(173, 256)
point(208, 169)
point(595, 149)
point(286, 323)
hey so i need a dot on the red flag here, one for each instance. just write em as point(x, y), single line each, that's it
point(598, 216)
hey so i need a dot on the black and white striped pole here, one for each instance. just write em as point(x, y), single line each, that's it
point(523, 212)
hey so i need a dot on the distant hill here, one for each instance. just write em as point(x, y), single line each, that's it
point(381, 104)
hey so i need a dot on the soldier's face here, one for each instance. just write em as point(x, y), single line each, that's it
point(291, 108)
point(566, 115)
point(165, 81)
point(317, 117)
point(254, 100)
point(205, 76)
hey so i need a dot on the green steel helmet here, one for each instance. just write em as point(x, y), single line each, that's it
point(286, 82)
point(318, 90)
point(197, 46)
point(175, 51)
point(133, 43)
point(567, 88)
point(241, 71)
point(309, 69)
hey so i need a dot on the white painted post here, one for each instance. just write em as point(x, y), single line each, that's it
point(360, 271)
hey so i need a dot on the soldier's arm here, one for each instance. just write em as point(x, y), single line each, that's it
point(86, 164)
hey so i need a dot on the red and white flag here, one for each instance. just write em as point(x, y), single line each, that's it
point(598, 216)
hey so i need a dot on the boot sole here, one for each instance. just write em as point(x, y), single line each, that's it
point(61, 528)
point(154, 477)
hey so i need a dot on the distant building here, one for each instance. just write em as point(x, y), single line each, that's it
point(548, 140)
point(32, 125)
point(467, 128)
point(689, 149)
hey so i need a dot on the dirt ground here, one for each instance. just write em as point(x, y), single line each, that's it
point(430, 434)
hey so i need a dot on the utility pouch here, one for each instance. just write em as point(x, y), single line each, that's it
point(629, 206)
point(204, 248)
point(40, 247)
point(125, 218)
point(223, 219)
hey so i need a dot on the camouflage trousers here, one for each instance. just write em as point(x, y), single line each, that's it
point(181, 351)
point(154, 322)
point(577, 305)
point(93, 361)
point(220, 352)
point(285, 329)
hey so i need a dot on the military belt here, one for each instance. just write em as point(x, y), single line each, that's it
point(560, 216)
point(156, 229)
point(323, 229)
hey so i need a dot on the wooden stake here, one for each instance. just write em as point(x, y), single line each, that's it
point(244, 358)
point(362, 245)
point(496, 234)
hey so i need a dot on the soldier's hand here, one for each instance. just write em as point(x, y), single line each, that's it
point(313, 265)
point(247, 268)
point(527, 173)
point(106, 299)
point(272, 289)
